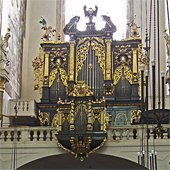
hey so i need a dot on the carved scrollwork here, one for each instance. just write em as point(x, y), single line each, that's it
point(96, 115)
point(59, 58)
point(83, 50)
point(65, 115)
point(81, 89)
point(55, 122)
point(80, 108)
point(63, 74)
point(38, 71)
point(118, 74)
point(135, 116)
point(99, 48)
point(106, 120)
point(44, 118)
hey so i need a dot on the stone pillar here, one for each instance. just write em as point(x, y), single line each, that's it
point(60, 18)
point(130, 15)
point(1, 93)
point(2, 85)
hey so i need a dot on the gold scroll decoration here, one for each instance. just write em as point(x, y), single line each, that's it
point(44, 118)
point(55, 122)
point(38, 71)
point(108, 59)
point(63, 74)
point(99, 48)
point(71, 61)
point(79, 106)
point(135, 116)
point(118, 74)
point(82, 51)
point(81, 89)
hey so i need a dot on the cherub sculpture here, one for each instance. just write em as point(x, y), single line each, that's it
point(3, 48)
point(49, 31)
point(90, 13)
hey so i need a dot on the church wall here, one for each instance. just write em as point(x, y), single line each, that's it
point(13, 18)
point(1, 5)
point(35, 9)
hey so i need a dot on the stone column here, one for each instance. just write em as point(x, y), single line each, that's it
point(130, 15)
point(2, 85)
point(60, 18)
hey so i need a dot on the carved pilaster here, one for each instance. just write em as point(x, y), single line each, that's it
point(108, 59)
point(135, 61)
point(60, 18)
point(71, 61)
point(46, 69)
point(89, 126)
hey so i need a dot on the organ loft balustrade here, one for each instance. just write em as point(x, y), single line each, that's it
point(121, 134)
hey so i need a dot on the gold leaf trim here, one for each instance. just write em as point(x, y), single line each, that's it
point(62, 73)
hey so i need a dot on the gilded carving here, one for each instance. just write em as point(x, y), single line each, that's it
point(46, 66)
point(62, 73)
point(59, 58)
point(82, 51)
point(108, 59)
point(118, 74)
point(80, 145)
point(38, 71)
point(55, 121)
point(123, 56)
point(72, 115)
point(106, 120)
point(99, 49)
point(44, 118)
point(81, 89)
point(47, 36)
point(135, 116)
point(108, 88)
point(96, 115)
point(71, 62)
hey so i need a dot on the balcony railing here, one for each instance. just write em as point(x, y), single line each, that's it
point(46, 133)
point(133, 132)
point(24, 107)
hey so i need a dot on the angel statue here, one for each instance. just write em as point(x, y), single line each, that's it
point(3, 48)
point(49, 31)
point(167, 39)
point(133, 28)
